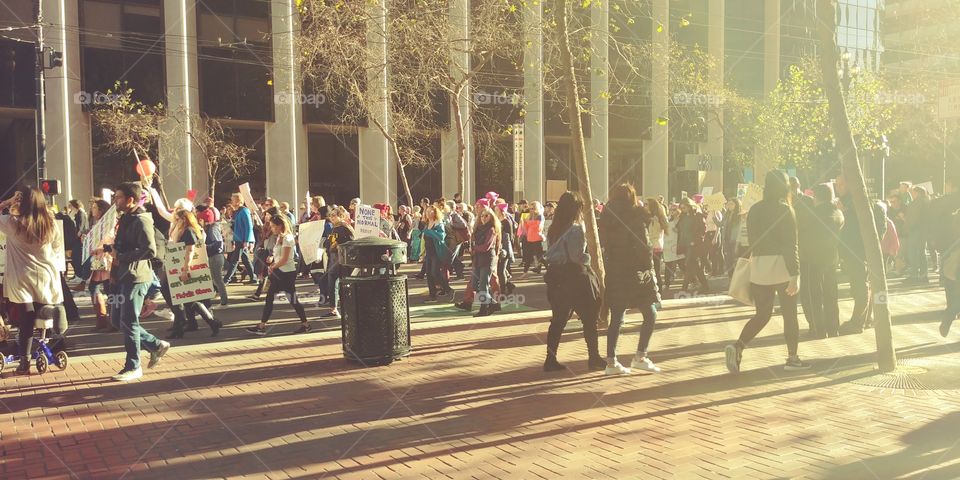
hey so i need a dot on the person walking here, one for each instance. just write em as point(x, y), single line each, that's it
point(774, 270)
point(130, 277)
point(186, 230)
point(852, 259)
point(283, 276)
point(916, 237)
point(820, 279)
point(572, 285)
point(531, 238)
point(437, 253)
point(656, 233)
point(486, 251)
point(243, 240)
point(730, 233)
point(100, 275)
point(803, 207)
point(691, 229)
point(32, 277)
point(507, 232)
point(207, 217)
point(340, 233)
point(631, 280)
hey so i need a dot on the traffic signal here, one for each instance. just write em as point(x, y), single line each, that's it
point(50, 187)
point(55, 59)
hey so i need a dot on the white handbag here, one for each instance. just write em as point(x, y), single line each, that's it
point(740, 288)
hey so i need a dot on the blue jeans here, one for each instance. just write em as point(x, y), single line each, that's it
point(481, 283)
point(917, 256)
point(125, 314)
point(437, 282)
point(649, 313)
point(236, 256)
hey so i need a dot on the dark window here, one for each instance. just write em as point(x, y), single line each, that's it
point(227, 185)
point(334, 166)
point(122, 40)
point(236, 59)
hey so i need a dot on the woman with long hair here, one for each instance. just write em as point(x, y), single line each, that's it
point(186, 230)
point(341, 232)
point(486, 251)
point(32, 276)
point(100, 275)
point(630, 280)
point(774, 270)
point(265, 243)
point(283, 275)
point(572, 285)
point(436, 254)
point(657, 230)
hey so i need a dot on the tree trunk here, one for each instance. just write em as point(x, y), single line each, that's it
point(569, 80)
point(461, 142)
point(850, 165)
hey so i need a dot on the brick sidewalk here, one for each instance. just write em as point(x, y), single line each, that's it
point(472, 402)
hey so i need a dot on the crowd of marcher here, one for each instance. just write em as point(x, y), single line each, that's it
point(647, 246)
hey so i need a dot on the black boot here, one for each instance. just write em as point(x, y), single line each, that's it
point(466, 307)
point(552, 365)
point(484, 311)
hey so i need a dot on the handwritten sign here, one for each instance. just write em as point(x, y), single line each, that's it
point(367, 223)
point(752, 196)
point(715, 202)
point(311, 239)
point(199, 286)
point(248, 200)
point(100, 233)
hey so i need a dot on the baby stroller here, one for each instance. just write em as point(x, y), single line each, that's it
point(46, 350)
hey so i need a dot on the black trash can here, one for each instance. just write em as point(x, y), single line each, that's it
point(375, 313)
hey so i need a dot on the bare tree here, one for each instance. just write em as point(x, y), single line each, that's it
point(225, 159)
point(129, 127)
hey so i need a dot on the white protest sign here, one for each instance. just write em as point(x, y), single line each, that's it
point(59, 249)
point(670, 240)
point(199, 286)
point(311, 238)
point(715, 202)
point(248, 200)
point(3, 255)
point(928, 186)
point(707, 191)
point(100, 233)
point(367, 223)
point(751, 197)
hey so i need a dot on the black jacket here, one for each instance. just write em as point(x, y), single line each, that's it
point(772, 230)
point(804, 207)
point(134, 247)
point(826, 222)
point(628, 261)
point(851, 242)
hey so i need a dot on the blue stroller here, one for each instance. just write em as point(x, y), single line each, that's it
point(46, 350)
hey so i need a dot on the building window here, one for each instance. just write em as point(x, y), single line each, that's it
point(334, 166)
point(236, 59)
point(227, 185)
point(123, 41)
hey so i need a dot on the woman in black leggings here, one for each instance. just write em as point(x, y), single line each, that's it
point(283, 275)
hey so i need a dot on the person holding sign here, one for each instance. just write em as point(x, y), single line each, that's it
point(186, 230)
point(283, 276)
point(32, 276)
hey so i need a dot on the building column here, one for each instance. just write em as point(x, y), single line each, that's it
point(69, 152)
point(771, 73)
point(449, 145)
point(715, 47)
point(181, 164)
point(656, 153)
point(285, 138)
point(533, 166)
point(598, 147)
point(378, 172)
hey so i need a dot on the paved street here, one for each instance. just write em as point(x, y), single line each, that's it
point(472, 402)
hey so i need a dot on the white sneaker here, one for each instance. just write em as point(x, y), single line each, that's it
point(128, 375)
point(75, 281)
point(156, 356)
point(645, 364)
point(616, 369)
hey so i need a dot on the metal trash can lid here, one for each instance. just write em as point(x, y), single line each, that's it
point(372, 252)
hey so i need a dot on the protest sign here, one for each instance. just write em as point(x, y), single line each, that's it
point(100, 233)
point(200, 284)
point(706, 192)
point(247, 197)
point(928, 186)
point(715, 202)
point(367, 223)
point(752, 196)
point(741, 190)
point(59, 249)
point(311, 239)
